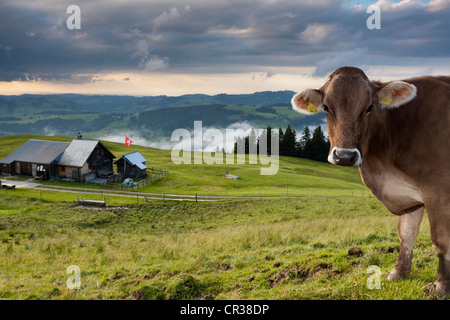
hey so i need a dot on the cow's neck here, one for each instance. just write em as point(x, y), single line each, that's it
point(377, 139)
point(382, 168)
point(376, 149)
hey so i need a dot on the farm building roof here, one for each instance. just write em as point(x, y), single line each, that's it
point(135, 159)
point(37, 151)
point(78, 152)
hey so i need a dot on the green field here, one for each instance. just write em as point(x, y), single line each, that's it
point(295, 177)
point(287, 248)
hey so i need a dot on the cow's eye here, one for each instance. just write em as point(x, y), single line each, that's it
point(369, 109)
point(325, 108)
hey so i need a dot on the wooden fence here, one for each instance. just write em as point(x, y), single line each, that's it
point(152, 175)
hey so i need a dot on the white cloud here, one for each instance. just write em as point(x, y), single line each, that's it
point(389, 73)
point(402, 5)
point(430, 6)
point(5, 47)
point(156, 64)
point(437, 5)
point(263, 76)
point(167, 16)
point(340, 59)
point(316, 33)
point(48, 131)
point(140, 49)
point(242, 129)
point(148, 62)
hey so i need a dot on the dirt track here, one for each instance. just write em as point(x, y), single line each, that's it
point(29, 184)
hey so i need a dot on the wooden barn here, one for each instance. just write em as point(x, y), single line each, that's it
point(85, 160)
point(80, 160)
point(34, 158)
point(133, 164)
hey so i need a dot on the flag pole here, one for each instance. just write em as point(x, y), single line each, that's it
point(128, 143)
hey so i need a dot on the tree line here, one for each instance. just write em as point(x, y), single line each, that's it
point(314, 146)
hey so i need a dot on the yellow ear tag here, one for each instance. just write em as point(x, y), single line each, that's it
point(312, 108)
point(386, 101)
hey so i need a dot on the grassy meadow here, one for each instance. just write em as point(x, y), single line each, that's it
point(295, 177)
point(287, 248)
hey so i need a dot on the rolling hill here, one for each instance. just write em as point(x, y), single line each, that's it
point(152, 117)
point(295, 176)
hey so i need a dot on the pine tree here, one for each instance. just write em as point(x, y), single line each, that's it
point(265, 138)
point(280, 140)
point(306, 136)
point(275, 149)
point(298, 149)
point(318, 146)
point(246, 140)
point(252, 143)
point(237, 145)
point(287, 146)
point(269, 140)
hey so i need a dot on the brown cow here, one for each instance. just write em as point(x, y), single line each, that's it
point(398, 134)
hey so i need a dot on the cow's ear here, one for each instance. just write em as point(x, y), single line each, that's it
point(395, 94)
point(308, 101)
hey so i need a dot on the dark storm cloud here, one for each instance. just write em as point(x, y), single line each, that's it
point(212, 36)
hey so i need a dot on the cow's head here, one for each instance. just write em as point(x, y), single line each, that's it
point(350, 100)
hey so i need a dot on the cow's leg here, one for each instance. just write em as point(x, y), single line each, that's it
point(440, 235)
point(408, 229)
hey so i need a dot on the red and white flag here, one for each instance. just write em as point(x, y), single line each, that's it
point(128, 142)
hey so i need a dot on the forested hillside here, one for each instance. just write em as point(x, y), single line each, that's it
point(152, 117)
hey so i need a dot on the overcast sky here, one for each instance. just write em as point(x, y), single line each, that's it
point(154, 47)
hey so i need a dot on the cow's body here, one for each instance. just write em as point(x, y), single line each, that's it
point(407, 153)
point(401, 144)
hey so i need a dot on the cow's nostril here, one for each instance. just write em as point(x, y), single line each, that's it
point(345, 157)
point(335, 155)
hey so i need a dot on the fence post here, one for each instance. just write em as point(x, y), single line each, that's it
point(196, 198)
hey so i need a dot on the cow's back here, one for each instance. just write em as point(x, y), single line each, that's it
point(444, 79)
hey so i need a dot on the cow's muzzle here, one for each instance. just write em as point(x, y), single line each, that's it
point(345, 157)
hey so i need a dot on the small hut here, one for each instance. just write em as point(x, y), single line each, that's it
point(132, 165)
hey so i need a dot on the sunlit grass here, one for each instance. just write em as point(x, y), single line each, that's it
point(289, 248)
point(252, 249)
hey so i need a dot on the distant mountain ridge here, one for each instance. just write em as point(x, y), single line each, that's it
point(154, 117)
point(131, 104)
